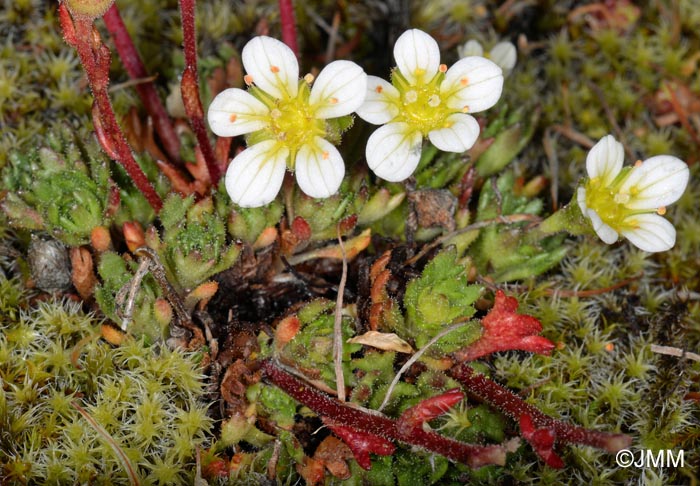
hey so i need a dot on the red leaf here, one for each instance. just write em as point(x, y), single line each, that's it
point(430, 408)
point(504, 330)
point(542, 440)
point(301, 228)
point(362, 443)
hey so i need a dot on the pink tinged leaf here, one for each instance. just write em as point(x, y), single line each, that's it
point(504, 330)
point(362, 443)
point(301, 228)
point(541, 440)
point(430, 408)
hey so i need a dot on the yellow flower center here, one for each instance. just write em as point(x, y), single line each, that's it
point(610, 203)
point(420, 104)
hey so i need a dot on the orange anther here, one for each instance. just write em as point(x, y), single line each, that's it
point(232, 118)
point(464, 81)
point(333, 101)
point(661, 210)
point(443, 68)
point(379, 89)
point(325, 155)
point(465, 109)
point(638, 163)
point(274, 69)
point(248, 79)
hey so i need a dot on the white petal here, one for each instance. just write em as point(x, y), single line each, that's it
point(605, 160)
point(393, 151)
point(505, 55)
point(604, 232)
point(339, 89)
point(319, 168)
point(235, 112)
point(381, 102)
point(581, 199)
point(255, 176)
point(272, 65)
point(472, 84)
point(659, 181)
point(459, 137)
point(470, 48)
point(653, 233)
point(417, 55)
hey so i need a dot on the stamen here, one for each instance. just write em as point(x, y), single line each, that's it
point(419, 71)
point(232, 118)
point(248, 79)
point(465, 109)
point(325, 155)
point(411, 96)
point(434, 101)
point(638, 163)
point(333, 101)
point(661, 211)
point(442, 68)
point(309, 78)
point(275, 113)
point(379, 88)
point(274, 69)
point(464, 81)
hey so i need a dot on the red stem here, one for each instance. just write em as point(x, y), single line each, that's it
point(510, 404)
point(289, 29)
point(95, 58)
point(190, 89)
point(149, 97)
point(381, 425)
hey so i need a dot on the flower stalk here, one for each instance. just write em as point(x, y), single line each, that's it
point(147, 92)
point(189, 86)
point(95, 58)
point(289, 27)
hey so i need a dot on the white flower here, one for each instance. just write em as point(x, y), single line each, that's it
point(624, 201)
point(288, 122)
point(503, 54)
point(425, 99)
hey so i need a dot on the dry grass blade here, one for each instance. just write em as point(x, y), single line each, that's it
point(121, 455)
point(338, 325)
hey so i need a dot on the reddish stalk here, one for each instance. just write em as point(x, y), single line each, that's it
point(95, 58)
point(404, 429)
point(289, 28)
point(190, 89)
point(147, 92)
point(509, 403)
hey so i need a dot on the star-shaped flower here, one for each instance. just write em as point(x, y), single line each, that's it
point(425, 99)
point(623, 201)
point(290, 124)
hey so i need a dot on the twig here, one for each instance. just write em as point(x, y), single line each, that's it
point(289, 29)
point(95, 58)
point(510, 219)
point(121, 455)
point(333, 37)
point(147, 92)
point(128, 292)
point(671, 351)
point(338, 325)
point(551, 153)
point(416, 356)
point(189, 86)
point(573, 135)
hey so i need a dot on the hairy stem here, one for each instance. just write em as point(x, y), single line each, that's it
point(147, 92)
point(510, 404)
point(95, 58)
point(289, 28)
point(190, 89)
point(380, 425)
